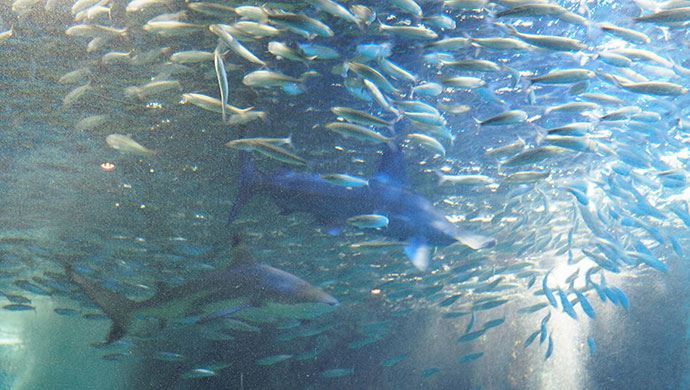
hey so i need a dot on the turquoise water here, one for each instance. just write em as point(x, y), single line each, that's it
point(512, 254)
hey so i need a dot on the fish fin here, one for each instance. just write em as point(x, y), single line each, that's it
point(392, 166)
point(475, 241)
point(419, 252)
point(118, 308)
point(249, 179)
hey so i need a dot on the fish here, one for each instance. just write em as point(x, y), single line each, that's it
point(369, 221)
point(360, 117)
point(222, 77)
point(212, 104)
point(549, 42)
point(530, 339)
point(126, 145)
point(526, 176)
point(361, 133)
point(197, 373)
point(428, 142)
point(656, 88)
point(532, 156)
point(282, 51)
point(547, 291)
point(674, 15)
point(335, 9)
point(584, 304)
point(244, 279)
point(393, 361)
point(534, 308)
point(494, 323)
point(630, 35)
point(19, 307)
point(374, 76)
point(471, 336)
point(592, 345)
point(565, 76)
point(549, 349)
point(472, 65)
point(169, 356)
point(409, 32)
point(427, 89)
point(337, 373)
point(344, 180)
point(504, 118)
point(567, 306)
point(467, 180)
point(233, 44)
point(463, 82)
point(470, 357)
point(411, 217)
point(269, 79)
point(271, 360)
point(471, 322)
point(299, 24)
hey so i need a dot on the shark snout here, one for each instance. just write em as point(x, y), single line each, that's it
point(314, 294)
point(330, 300)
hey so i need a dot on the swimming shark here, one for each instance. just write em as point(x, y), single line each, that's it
point(411, 217)
point(220, 293)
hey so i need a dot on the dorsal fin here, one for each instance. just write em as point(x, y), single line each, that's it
point(392, 167)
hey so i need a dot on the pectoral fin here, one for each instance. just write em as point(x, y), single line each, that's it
point(475, 241)
point(419, 252)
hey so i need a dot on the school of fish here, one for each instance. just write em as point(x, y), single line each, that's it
point(552, 131)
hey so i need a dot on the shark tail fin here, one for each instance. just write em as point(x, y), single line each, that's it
point(249, 179)
point(117, 307)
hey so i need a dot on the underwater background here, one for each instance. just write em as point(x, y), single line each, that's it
point(567, 157)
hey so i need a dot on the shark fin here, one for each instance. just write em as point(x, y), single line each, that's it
point(475, 241)
point(249, 178)
point(118, 308)
point(419, 252)
point(392, 166)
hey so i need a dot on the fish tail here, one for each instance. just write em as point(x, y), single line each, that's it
point(118, 308)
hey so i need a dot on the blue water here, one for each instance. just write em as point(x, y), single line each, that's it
point(158, 221)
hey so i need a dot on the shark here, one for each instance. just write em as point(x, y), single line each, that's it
point(411, 217)
point(241, 284)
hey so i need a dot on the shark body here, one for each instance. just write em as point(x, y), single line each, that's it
point(412, 218)
point(214, 295)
